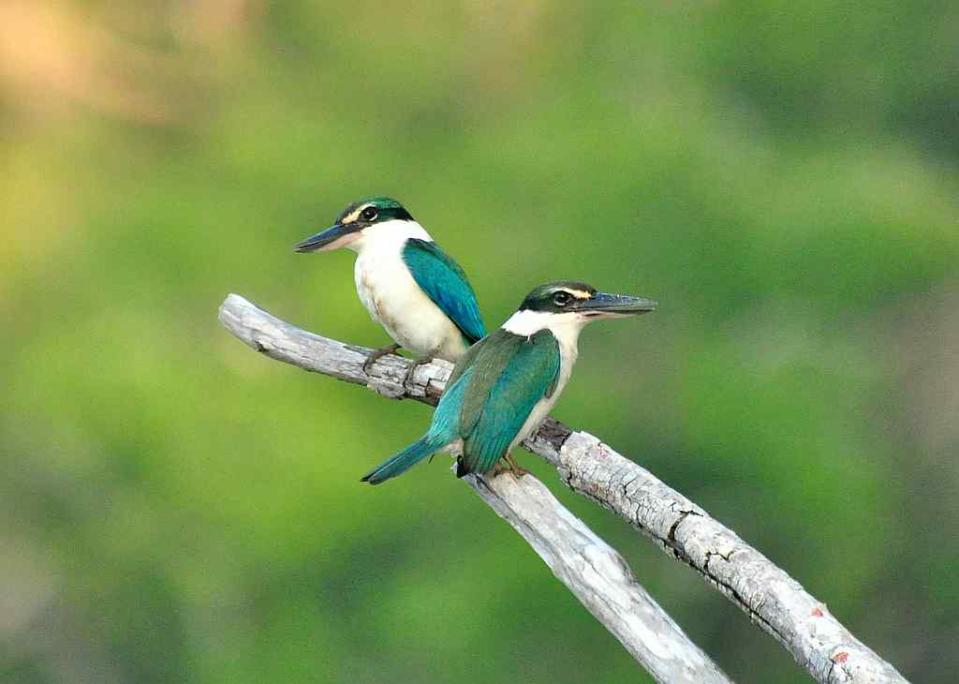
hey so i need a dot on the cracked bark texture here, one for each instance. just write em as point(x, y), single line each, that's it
point(768, 595)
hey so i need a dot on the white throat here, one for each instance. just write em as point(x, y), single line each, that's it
point(564, 326)
point(389, 236)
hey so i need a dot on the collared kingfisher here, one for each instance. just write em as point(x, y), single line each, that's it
point(407, 283)
point(504, 385)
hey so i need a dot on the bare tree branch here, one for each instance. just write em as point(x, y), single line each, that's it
point(769, 596)
point(599, 577)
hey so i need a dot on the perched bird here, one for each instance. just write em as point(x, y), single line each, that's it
point(506, 383)
point(407, 283)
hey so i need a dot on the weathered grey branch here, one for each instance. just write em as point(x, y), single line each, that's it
point(771, 598)
point(599, 577)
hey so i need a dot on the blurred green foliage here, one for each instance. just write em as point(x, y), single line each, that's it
point(782, 177)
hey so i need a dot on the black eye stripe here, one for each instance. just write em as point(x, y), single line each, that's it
point(369, 213)
point(562, 298)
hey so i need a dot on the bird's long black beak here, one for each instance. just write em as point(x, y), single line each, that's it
point(331, 238)
point(603, 303)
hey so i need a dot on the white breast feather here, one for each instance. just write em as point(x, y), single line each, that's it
point(394, 300)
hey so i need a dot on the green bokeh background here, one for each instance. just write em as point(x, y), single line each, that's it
point(783, 177)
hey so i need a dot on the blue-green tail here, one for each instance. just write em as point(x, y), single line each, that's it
point(402, 461)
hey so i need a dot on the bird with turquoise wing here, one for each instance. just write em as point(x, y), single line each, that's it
point(503, 387)
point(408, 284)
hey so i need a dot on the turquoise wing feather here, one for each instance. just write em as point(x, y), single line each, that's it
point(508, 378)
point(445, 283)
point(445, 425)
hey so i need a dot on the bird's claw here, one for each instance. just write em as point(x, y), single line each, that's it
point(411, 372)
point(511, 467)
point(377, 354)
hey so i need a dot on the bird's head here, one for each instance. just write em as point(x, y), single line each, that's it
point(357, 221)
point(572, 304)
point(573, 298)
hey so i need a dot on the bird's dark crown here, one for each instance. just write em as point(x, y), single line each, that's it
point(373, 210)
point(558, 296)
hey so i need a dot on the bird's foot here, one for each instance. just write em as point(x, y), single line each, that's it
point(377, 353)
point(408, 380)
point(512, 467)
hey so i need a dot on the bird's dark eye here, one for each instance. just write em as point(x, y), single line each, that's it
point(369, 213)
point(562, 298)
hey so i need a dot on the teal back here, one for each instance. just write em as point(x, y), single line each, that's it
point(505, 376)
point(445, 283)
